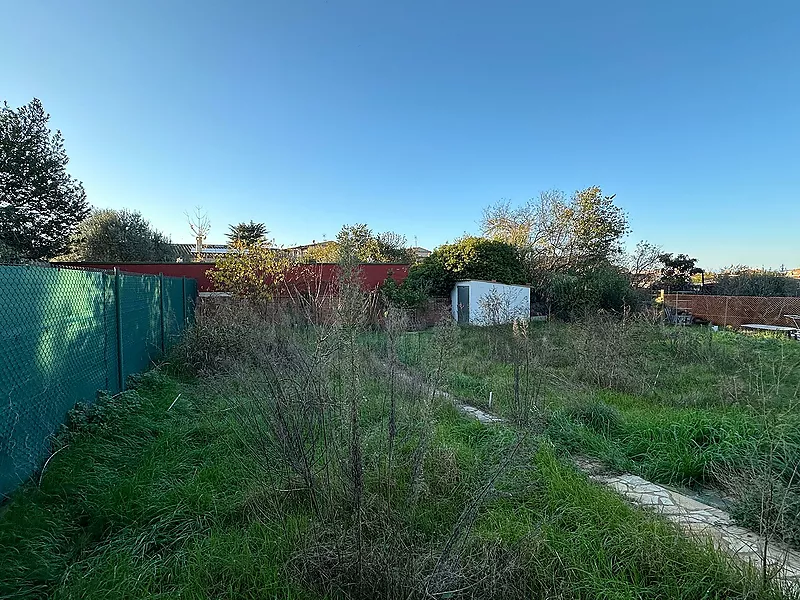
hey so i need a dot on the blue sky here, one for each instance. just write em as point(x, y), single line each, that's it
point(412, 116)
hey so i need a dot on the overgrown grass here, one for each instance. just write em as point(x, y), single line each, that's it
point(147, 502)
point(271, 476)
point(681, 406)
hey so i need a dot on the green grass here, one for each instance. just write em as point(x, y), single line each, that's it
point(681, 406)
point(149, 502)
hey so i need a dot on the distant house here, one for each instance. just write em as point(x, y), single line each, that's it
point(207, 252)
point(793, 273)
point(420, 253)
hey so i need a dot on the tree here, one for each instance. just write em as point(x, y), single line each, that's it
point(359, 243)
point(200, 225)
point(324, 252)
point(249, 234)
point(643, 264)
point(40, 203)
point(676, 272)
point(556, 233)
point(467, 258)
point(252, 272)
point(119, 236)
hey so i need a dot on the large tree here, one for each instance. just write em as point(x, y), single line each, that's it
point(40, 203)
point(643, 264)
point(556, 233)
point(359, 243)
point(677, 271)
point(119, 236)
point(249, 234)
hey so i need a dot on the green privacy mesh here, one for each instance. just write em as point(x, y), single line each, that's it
point(60, 344)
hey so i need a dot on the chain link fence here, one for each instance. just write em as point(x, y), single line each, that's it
point(68, 333)
point(735, 311)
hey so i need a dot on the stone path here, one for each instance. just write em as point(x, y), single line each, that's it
point(704, 521)
point(695, 518)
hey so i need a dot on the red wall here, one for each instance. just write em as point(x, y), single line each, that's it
point(301, 276)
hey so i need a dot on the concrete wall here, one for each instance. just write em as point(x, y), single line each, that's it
point(300, 276)
point(491, 303)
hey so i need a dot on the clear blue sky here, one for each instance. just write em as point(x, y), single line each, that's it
point(414, 115)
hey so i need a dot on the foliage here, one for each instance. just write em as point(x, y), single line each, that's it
point(249, 234)
point(9, 255)
point(467, 258)
point(218, 494)
point(400, 295)
point(323, 252)
point(681, 405)
point(252, 272)
point(570, 294)
point(241, 485)
point(643, 263)
point(748, 283)
point(554, 233)
point(40, 203)
point(119, 236)
point(676, 272)
point(365, 246)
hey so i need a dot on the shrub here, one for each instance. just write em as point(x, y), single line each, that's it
point(596, 415)
point(603, 288)
point(755, 284)
point(467, 258)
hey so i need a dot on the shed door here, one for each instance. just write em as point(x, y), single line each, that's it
point(463, 303)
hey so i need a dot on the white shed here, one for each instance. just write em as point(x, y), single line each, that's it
point(477, 302)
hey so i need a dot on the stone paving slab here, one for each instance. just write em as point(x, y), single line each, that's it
point(706, 521)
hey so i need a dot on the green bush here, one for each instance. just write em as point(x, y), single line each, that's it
point(755, 284)
point(602, 288)
point(467, 258)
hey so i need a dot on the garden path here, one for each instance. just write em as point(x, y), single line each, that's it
point(697, 519)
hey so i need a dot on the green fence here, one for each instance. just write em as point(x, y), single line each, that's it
point(65, 334)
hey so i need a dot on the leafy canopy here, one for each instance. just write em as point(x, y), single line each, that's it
point(467, 258)
point(249, 234)
point(252, 272)
point(677, 271)
point(41, 204)
point(119, 236)
point(359, 243)
point(556, 233)
point(742, 281)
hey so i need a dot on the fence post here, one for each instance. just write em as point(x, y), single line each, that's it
point(725, 324)
point(163, 321)
point(183, 285)
point(120, 361)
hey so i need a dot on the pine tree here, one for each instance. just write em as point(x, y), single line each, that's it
point(40, 203)
point(249, 234)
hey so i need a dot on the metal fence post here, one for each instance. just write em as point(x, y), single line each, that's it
point(118, 299)
point(163, 321)
point(183, 287)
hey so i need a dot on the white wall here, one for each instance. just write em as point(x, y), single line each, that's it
point(514, 302)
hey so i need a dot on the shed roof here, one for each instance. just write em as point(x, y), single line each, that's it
point(494, 282)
